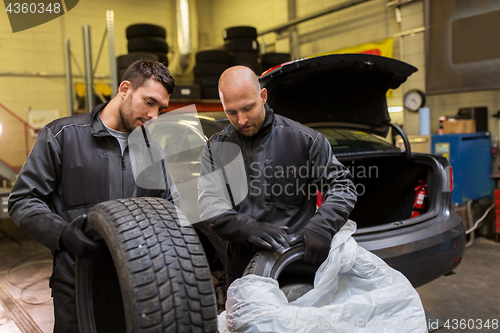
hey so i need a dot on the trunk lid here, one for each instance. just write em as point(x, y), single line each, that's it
point(348, 90)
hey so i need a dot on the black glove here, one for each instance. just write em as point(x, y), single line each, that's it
point(76, 242)
point(267, 236)
point(317, 246)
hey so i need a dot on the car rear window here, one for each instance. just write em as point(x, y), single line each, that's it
point(346, 141)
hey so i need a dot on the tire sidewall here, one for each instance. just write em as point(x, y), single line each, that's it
point(98, 221)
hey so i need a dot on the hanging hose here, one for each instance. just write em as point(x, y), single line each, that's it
point(480, 219)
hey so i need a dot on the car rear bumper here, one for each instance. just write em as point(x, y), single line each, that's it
point(422, 252)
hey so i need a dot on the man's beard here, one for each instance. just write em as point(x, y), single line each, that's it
point(127, 123)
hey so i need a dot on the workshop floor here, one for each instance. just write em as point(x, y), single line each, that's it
point(472, 293)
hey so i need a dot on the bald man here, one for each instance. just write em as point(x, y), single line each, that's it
point(286, 164)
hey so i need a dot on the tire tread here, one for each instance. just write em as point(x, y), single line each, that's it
point(163, 264)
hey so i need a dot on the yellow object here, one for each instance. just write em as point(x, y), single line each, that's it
point(102, 88)
point(383, 48)
point(80, 89)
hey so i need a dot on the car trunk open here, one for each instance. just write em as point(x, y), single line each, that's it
point(346, 89)
point(386, 189)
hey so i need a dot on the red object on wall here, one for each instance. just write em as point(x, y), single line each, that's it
point(497, 212)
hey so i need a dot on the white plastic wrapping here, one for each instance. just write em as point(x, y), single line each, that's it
point(354, 291)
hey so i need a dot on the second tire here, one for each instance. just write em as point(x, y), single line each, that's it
point(152, 275)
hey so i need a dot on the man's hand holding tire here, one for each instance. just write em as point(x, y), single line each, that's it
point(76, 242)
point(267, 236)
point(317, 246)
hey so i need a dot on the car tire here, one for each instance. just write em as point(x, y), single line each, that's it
point(274, 59)
point(162, 57)
point(207, 80)
point(216, 55)
point(209, 68)
point(249, 59)
point(120, 74)
point(287, 267)
point(145, 30)
point(186, 91)
point(239, 32)
point(242, 45)
point(151, 276)
point(210, 93)
point(123, 61)
point(147, 44)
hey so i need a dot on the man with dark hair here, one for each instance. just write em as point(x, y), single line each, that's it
point(141, 71)
point(78, 162)
point(286, 163)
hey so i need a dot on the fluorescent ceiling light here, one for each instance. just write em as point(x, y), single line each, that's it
point(395, 109)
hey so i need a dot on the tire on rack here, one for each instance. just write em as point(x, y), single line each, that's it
point(274, 58)
point(151, 276)
point(242, 45)
point(162, 57)
point(125, 60)
point(287, 267)
point(145, 30)
point(249, 59)
point(215, 55)
point(209, 68)
point(120, 74)
point(210, 92)
point(186, 91)
point(239, 32)
point(257, 69)
point(207, 80)
point(147, 44)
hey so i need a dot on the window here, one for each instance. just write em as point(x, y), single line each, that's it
point(345, 141)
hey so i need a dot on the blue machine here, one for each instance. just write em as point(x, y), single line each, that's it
point(471, 160)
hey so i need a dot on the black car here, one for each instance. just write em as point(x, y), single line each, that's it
point(343, 96)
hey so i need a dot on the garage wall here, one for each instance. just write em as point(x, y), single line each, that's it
point(368, 22)
point(412, 52)
point(41, 49)
point(372, 21)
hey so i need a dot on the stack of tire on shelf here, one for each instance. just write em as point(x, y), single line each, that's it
point(270, 60)
point(125, 60)
point(146, 42)
point(241, 43)
point(209, 66)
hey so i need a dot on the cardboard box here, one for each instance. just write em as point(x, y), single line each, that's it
point(459, 126)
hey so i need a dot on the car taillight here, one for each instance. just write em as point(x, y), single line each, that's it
point(457, 262)
point(451, 178)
